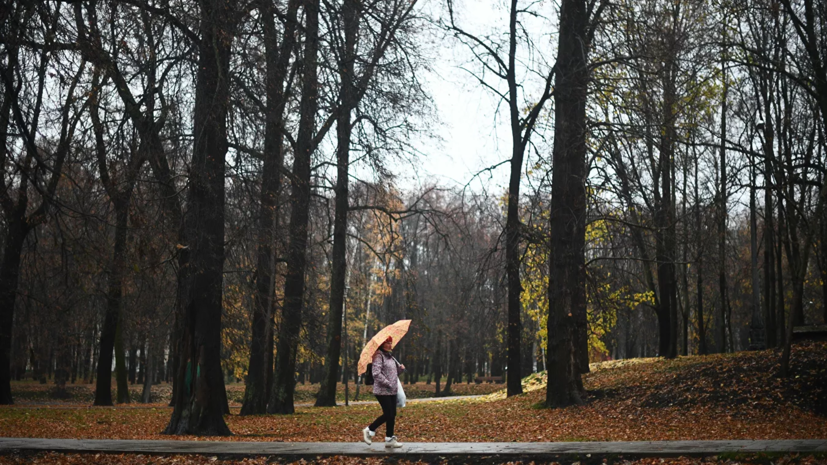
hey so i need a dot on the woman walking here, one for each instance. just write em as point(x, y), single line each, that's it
point(385, 372)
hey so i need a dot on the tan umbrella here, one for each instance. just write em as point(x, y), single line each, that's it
point(396, 331)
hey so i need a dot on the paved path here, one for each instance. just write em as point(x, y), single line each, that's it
point(471, 451)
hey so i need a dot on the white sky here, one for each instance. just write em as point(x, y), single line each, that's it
point(472, 137)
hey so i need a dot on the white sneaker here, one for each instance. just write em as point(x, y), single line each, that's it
point(366, 436)
point(392, 443)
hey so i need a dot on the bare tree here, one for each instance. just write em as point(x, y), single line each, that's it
point(278, 59)
point(356, 72)
point(284, 383)
point(36, 163)
point(501, 61)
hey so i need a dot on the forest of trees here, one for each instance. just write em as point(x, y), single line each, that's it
point(202, 192)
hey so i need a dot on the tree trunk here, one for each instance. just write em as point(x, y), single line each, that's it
point(512, 222)
point(780, 306)
point(116, 292)
point(93, 353)
point(149, 375)
point(685, 268)
point(327, 391)
point(132, 364)
point(142, 361)
point(103, 384)
point(199, 407)
point(62, 361)
point(702, 349)
point(16, 231)
point(9, 277)
point(769, 235)
point(437, 364)
point(567, 273)
point(823, 254)
point(757, 335)
point(121, 375)
point(450, 369)
point(256, 392)
point(723, 196)
point(665, 208)
point(281, 396)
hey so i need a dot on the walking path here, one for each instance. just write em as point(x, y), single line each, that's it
point(589, 451)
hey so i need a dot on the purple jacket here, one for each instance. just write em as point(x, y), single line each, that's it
point(385, 373)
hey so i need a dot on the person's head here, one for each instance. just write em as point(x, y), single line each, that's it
point(387, 345)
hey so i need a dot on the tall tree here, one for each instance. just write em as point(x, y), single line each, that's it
point(391, 16)
point(278, 59)
point(665, 236)
point(147, 121)
point(567, 272)
point(35, 167)
point(284, 382)
point(505, 68)
point(347, 95)
point(119, 189)
point(199, 405)
point(723, 338)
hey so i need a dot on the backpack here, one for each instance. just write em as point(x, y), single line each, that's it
point(369, 375)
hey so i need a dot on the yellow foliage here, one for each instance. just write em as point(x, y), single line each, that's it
point(235, 331)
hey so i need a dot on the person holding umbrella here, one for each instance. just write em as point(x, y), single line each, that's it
point(385, 370)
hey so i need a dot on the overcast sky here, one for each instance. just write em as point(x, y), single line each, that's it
point(472, 137)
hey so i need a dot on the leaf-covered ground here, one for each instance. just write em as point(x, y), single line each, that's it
point(733, 396)
point(35, 393)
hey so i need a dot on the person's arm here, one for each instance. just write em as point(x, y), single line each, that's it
point(379, 370)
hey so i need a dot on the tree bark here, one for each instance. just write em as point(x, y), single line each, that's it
point(199, 407)
point(281, 396)
point(567, 273)
point(16, 232)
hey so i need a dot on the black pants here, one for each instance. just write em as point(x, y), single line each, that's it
point(388, 416)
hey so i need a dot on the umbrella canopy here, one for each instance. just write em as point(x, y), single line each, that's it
point(396, 331)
